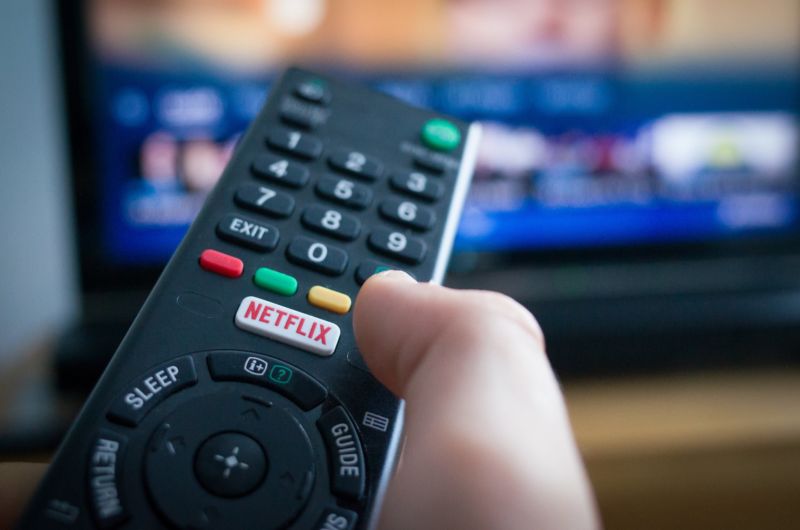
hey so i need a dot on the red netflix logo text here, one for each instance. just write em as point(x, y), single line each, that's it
point(288, 321)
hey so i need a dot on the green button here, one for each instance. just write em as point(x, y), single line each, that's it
point(275, 281)
point(441, 135)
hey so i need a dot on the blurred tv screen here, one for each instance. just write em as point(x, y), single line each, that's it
point(606, 122)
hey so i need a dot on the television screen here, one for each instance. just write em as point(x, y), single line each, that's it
point(606, 122)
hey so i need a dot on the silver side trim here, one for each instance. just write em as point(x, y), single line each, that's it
point(389, 466)
point(457, 204)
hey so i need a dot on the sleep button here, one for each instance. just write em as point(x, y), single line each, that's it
point(151, 389)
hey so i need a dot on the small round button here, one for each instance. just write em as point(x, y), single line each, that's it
point(230, 464)
point(441, 135)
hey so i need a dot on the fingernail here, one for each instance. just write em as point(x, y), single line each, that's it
point(396, 275)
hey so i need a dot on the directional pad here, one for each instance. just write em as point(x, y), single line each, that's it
point(216, 459)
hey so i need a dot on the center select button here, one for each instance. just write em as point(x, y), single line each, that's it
point(288, 326)
point(267, 372)
point(151, 389)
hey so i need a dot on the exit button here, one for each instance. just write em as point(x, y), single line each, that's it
point(441, 135)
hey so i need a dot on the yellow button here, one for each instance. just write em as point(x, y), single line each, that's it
point(329, 299)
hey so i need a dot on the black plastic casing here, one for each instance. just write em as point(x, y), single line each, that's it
point(191, 311)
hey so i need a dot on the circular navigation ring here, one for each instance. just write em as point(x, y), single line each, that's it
point(219, 458)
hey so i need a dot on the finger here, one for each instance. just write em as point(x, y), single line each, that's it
point(18, 480)
point(488, 440)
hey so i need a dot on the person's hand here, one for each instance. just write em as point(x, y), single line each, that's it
point(488, 442)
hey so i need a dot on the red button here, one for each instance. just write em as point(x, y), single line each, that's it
point(223, 264)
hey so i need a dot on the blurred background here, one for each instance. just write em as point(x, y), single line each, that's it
point(637, 188)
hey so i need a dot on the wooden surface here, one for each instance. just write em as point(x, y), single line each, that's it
point(700, 451)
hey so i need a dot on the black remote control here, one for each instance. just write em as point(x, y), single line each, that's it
point(238, 398)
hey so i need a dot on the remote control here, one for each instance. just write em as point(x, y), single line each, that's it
point(238, 398)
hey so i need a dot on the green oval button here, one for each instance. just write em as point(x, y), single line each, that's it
point(441, 135)
point(275, 281)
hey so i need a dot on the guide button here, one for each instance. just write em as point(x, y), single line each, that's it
point(344, 453)
point(267, 372)
point(151, 389)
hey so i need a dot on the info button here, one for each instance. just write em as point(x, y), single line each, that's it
point(267, 372)
point(151, 389)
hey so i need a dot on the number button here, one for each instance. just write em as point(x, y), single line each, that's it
point(295, 143)
point(262, 199)
point(369, 267)
point(317, 256)
point(345, 192)
point(356, 163)
point(314, 91)
point(407, 213)
point(331, 222)
point(397, 245)
point(417, 184)
point(278, 169)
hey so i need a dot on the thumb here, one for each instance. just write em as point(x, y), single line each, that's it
point(488, 440)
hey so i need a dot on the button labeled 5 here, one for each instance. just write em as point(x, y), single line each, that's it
point(345, 192)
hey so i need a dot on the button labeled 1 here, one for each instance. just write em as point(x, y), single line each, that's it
point(295, 143)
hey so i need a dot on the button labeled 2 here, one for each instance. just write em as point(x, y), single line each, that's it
point(356, 163)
